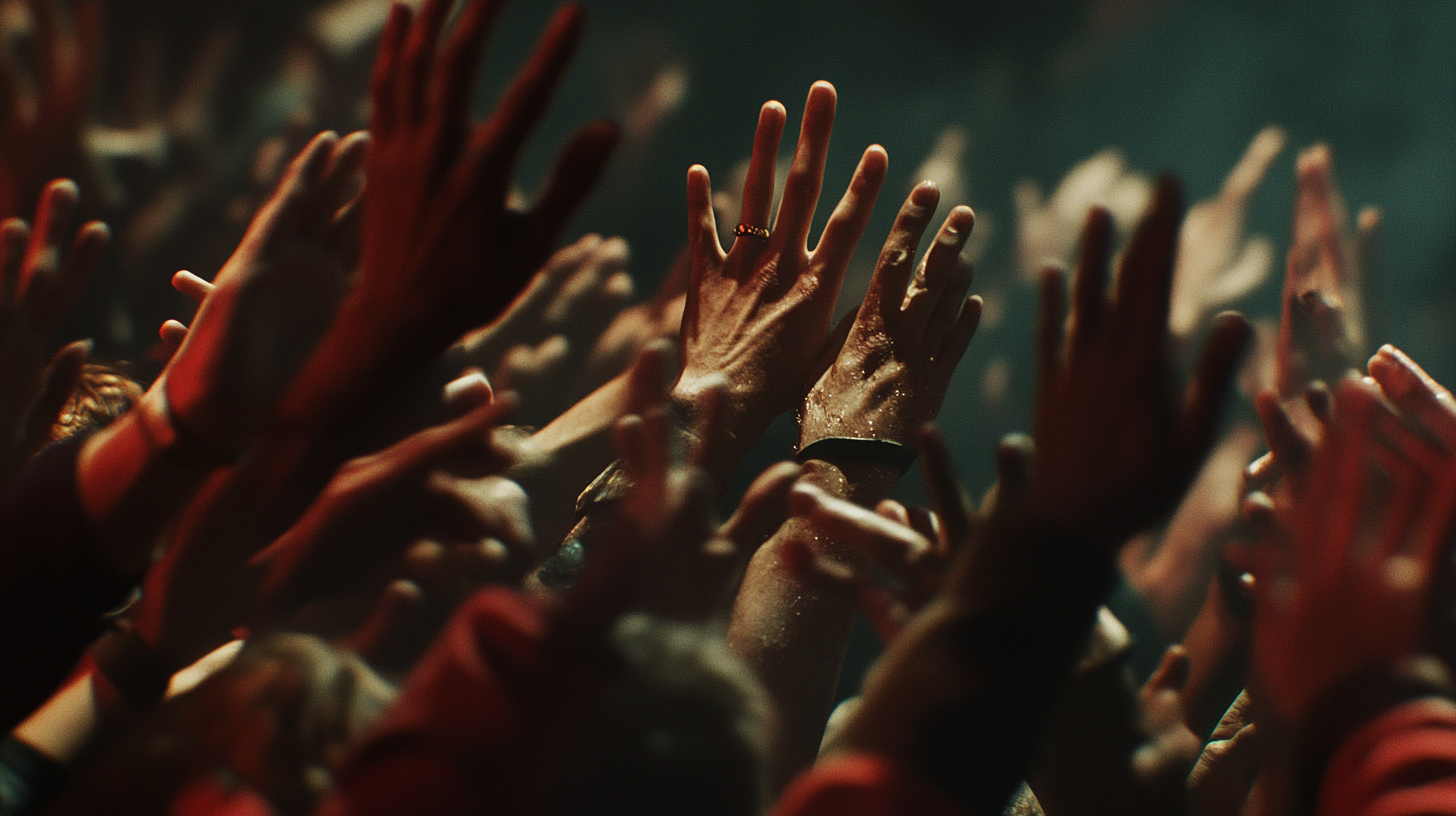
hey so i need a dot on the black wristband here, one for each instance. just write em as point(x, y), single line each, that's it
point(856, 449)
point(132, 666)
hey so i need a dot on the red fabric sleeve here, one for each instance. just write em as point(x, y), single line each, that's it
point(863, 785)
point(1402, 763)
point(481, 723)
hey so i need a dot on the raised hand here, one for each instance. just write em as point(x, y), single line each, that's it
point(442, 252)
point(1047, 227)
point(1216, 264)
point(40, 281)
point(1368, 526)
point(1117, 441)
point(43, 109)
point(574, 295)
point(434, 486)
point(271, 302)
point(890, 376)
point(759, 314)
point(636, 326)
point(1322, 324)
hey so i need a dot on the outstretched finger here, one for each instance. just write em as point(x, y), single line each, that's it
point(173, 333)
point(1416, 393)
point(79, 265)
point(459, 63)
point(758, 187)
point(1089, 286)
point(1051, 326)
point(1288, 446)
point(1145, 277)
point(703, 244)
point(763, 509)
point(1207, 391)
point(886, 294)
point(946, 276)
point(578, 166)
point(58, 205)
point(386, 69)
point(194, 288)
point(947, 496)
point(889, 545)
point(497, 144)
point(339, 183)
point(14, 235)
point(417, 60)
point(806, 176)
point(850, 217)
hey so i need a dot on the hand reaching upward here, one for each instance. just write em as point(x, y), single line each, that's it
point(759, 313)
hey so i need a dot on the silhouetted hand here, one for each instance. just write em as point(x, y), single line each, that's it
point(1117, 440)
point(43, 106)
point(40, 281)
point(442, 252)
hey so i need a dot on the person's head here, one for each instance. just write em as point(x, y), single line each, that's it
point(681, 727)
point(272, 722)
point(101, 396)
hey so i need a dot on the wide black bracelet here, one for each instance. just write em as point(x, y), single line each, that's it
point(132, 666)
point(856, 449)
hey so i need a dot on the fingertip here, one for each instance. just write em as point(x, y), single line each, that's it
point(63, 187)
point(772, 111)
point(926, 194)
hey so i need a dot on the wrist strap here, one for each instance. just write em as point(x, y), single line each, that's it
point(132, 666)
point(856, 449)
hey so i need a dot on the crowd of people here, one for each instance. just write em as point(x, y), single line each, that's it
point(423, 515)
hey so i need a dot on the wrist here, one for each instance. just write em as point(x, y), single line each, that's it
point(176, 440)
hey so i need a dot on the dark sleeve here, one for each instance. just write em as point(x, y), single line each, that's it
point(28, 778)
point(53, 586)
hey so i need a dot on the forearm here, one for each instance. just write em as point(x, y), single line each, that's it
point(77, 720)
point(793, 630)
point(132, 485)
point(568, 454)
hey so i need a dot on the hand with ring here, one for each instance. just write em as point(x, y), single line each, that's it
point(759, 314)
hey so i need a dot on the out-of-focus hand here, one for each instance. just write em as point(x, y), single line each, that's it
point(43, 106)
point(636, 326)
point(545, 337)
point(1322, 325)
point(40, 281)
point(271, 302)
point(890, 376)
point(759, 314)
point(1422, 401)
point(1047, 229)
point(663, 553)
point(1367, 526)
point(433, 492)
point(442, 252)
point(1117, 440)
point(1216, 264)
